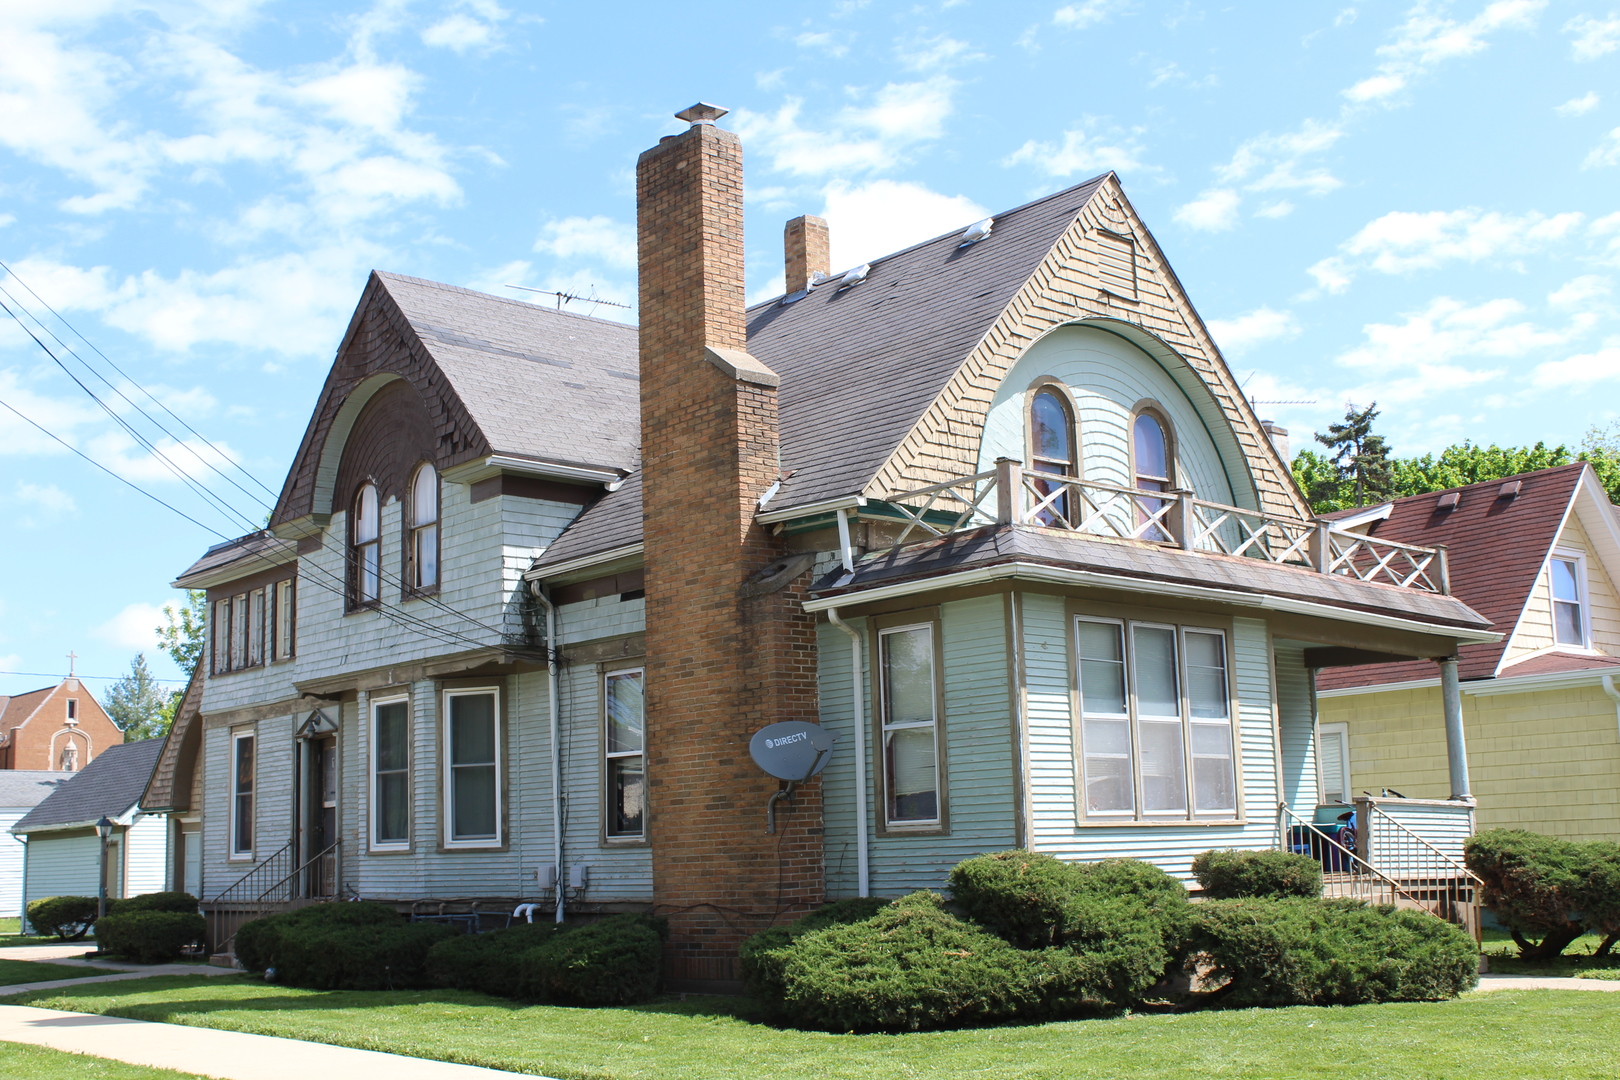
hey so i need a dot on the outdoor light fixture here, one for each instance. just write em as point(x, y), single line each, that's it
point(104, 829)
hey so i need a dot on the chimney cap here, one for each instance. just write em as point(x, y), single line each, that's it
point(702, 113)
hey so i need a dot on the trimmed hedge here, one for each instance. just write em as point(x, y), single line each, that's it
point(181, 902)
point(617, 961)
point(1547, 891)
point(69, 918)
point(341, 946)
point(761, 956)
point(488, 963)
point(1328, 952)
point(1235, 875)
point(149, 937)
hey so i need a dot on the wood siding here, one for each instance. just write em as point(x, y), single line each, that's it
point(1296, 730)
point(1534, 633)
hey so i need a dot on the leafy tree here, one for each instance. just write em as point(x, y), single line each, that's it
point(1464, 464)
point(1319, 480)
point(137, 703)
point(1358, 469)
point(1601, 446)
point(186, 630)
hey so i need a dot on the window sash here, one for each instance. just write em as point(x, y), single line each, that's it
point(624, 742)
point(239, 630)
point(242, 777)
point(1568, 602)
point(221, 635)
point(1333, 763)
point(425, 556)
point(472, 766)
point(283, 636)
point(255, 634)
point(368, 571)
point(390, 773)
point(910, 726)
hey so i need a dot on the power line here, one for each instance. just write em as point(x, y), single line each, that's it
point(76, 675)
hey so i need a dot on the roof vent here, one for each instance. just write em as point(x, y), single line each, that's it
point(1510, 490)
point(1449, 500)
point(977, 231)
point(855, 276)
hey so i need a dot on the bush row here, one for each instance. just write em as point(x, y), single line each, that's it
point(130, 929)
point(1547, 892)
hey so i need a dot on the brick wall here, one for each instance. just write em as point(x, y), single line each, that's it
point(719, 665)
point(37, 732)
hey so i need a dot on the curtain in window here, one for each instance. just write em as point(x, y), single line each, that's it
point(472, 767)
point(367, 550)
point(1106, 719)
point(425, 527)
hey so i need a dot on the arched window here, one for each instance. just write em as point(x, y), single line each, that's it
point(1151, 461)
point(1052, 450)
point(425, 528)
point(366, 554)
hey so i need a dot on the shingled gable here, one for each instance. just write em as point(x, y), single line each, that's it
point(497, 376)
point(170, 785)
point(1496, 549)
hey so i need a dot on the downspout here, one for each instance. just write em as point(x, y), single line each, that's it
point(554, 688)
point(858, 703)
point(1609, 688)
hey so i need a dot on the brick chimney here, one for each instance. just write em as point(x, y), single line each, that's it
point(806, 246)
point(729, 646)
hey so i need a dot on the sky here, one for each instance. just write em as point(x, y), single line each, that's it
point(1413, 205)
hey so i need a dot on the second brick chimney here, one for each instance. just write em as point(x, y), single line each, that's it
point(726, 655)
point(807, 250)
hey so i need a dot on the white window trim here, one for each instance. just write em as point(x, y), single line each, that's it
point(282, 604)
point(1126, 676)
point(936, 822)
point(607, 803)
point(233, 816)
point(447, 838)
point(1578, 557)
point(1190, 722)
point(375, 801)
point(1340, 731)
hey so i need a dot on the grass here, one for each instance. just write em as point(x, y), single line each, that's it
point(19, 1061)
point(1577, 960)
point(29, 971)
point(1493, 1036)
point(10, 935)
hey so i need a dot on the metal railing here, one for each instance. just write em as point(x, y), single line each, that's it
point(275, 884)
point(1009, 494)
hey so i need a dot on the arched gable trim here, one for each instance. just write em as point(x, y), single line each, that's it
point(337, 436)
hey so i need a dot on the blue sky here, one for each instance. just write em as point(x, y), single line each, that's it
point(1414, 205)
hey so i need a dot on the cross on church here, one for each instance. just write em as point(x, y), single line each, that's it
point(72, 656)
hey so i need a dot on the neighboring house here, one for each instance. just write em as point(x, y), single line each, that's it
point(57, 728)
point(20, 792)
point(182, 801)
point(1539, 555)
point(62, 852)
point(992, 509)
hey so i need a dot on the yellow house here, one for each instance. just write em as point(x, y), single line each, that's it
point(1539, 555)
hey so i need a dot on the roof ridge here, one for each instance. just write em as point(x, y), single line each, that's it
point(523, 304)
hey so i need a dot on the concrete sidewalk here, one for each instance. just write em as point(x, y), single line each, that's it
point(95, 971)
point(225, 1055)
point(1526, 982)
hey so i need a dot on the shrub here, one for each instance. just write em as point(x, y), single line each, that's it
point(912, 967)
point(1023, 897)
point(354, 946)
point(616, 961)
point(761, 956)
point(1598, 893)
point(184, 903)
point(1530, 882)
point(149, 937)
point(1234, 875)
point(69, 918)
point(488, 963)
point(1329, 952)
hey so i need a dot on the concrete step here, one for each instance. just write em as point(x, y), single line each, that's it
point(223, 959)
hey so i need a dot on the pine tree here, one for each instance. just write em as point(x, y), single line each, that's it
point(1360, 461)
point(138, 705)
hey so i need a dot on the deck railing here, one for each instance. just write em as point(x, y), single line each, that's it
point(1009, 494)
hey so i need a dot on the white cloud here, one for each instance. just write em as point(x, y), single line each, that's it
point(461, 31)
point(1280, 209)
point(1215, 210)
point(1579, 293)
point(935, 54)
point(1604, 153)
point(861, 138)
point(1601, 365)
point(1446, 331)
point(870, 220)
point(1080, 153)
point(1237, 336)
point(1087, 13)
point(832, 43)
point(1402, 242)
point(1593, 37)
point(135, 627)
point(599, 238)
point(1331, 274)
point(1427, 38)
point(1578, 106)
point(35, 505)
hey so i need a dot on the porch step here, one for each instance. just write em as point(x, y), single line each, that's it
point(222, 959)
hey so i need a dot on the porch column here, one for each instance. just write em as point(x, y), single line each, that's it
point(1456, 748)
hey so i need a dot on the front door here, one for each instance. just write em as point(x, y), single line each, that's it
point(323, 819)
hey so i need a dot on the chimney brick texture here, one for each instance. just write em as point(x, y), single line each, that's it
point(719, 665)
point(807, 248)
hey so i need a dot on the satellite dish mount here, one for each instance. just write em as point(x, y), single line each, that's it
point(793, 751)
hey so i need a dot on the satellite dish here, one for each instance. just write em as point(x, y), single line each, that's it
point(792, 750)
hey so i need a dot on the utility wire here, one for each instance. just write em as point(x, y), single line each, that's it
point(77, 675)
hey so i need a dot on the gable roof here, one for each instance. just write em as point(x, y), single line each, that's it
point(21, 788)
point(19, 707)
point(109, 786)
point(1495, 551)
point(232, 559)
point(169, 787)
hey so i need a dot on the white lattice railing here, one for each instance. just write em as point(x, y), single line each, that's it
point(1010, 494)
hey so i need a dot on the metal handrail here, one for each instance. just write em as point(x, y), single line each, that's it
point(1375, 814)
point(1360, 867)
point(225, 897)
point(313, 860)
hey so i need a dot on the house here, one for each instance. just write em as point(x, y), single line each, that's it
point(1539, 555)
point(62, 853)
point(992, 511)
point(20, 791)
point(55, 728)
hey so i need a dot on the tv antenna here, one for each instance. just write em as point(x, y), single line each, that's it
point(566, 297)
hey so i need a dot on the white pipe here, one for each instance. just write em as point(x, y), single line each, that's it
point(1609, 688)
point(524, 912)
point(858, 701)
point(554, 689)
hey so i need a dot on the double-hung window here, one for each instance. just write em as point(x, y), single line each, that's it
point(424, 570)
point(242, 776)
point(255, 628)
point(625, 776)
point(220, 635)
point(1568, 599)
point(1156, 729)
point(390, 774)
point(908, 696)
point(282, 637)
point(472, 767)
point(239, 631)
point(366, 550)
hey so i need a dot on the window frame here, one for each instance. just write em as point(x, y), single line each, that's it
point(374, 802)
point(882, 626)
point(447, 835)
point(1151, 408)
point(1181, 624)
point(220, 635)
point(1583, 604)
point(412, 587)
point(284, 619)
point(607, 837)
point(237, 657)
point(235, 853)
point(255, 652)
point(358, 600)
point(1339, 731)
point(1059, 392)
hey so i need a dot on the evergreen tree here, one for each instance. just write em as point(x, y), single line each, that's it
point(186, 630)
point(1361, 471)
point(137, 704)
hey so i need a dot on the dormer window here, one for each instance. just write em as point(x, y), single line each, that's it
point(1151, 463)
point(1052, 450)
point(1568, 600)
point(424, 549)
point(367, 554)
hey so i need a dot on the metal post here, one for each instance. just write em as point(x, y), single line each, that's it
point(1009, 491)
point(101, 889)
point(1456, 747)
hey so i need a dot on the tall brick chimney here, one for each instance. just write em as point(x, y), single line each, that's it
point(807, 248)
point(729, 647)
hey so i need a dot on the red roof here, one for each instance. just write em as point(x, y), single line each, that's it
point(1495, 549)
point(1553, 663)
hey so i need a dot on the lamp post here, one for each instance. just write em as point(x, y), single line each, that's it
point(104, 829)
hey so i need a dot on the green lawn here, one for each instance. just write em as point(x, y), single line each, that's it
point(19, 1061)
point(28, 971)
point(1576, 960)
point(1493, 1036)
point(9, 935)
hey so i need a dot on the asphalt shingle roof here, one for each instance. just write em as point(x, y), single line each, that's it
point(28, 787)
point(255, 551)
point(108, 786)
